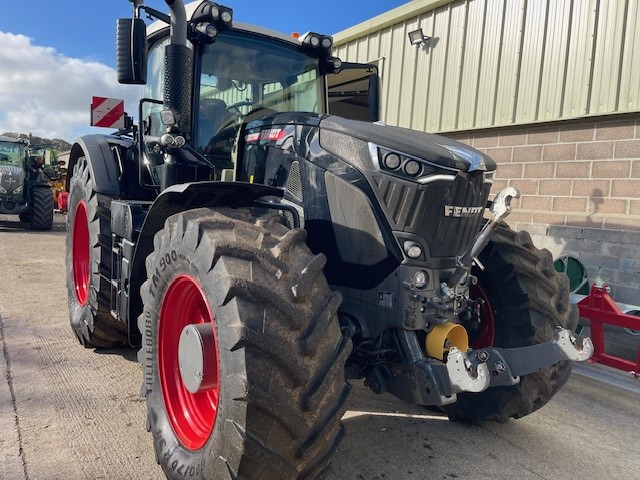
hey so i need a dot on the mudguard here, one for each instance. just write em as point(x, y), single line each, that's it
point(97, 150)
point(176, 199)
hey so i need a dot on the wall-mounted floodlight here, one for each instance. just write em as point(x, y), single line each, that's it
point(418, 38)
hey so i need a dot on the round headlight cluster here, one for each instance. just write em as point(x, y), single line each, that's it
point(410, 167)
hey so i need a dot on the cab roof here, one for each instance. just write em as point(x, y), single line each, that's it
point(190, 9)
point(12, 140)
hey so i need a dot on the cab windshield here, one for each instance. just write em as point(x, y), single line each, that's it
point(11, 153)
point(244, 77)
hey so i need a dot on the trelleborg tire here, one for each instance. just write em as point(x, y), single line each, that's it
point(88, 266)
point(276, 389)
point(41, 217)
point(525, 299)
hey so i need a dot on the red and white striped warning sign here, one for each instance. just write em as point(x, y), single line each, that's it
point(107, 112)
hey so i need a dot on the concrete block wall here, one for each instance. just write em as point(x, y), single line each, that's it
point(580, 186)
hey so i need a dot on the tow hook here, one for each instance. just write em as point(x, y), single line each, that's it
point(567, 343)
point(491, 367)
point(462, 374)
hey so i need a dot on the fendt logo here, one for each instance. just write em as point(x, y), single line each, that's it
point(453, 211)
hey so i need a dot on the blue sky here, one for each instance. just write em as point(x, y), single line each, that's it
point(85, 28)
point(56, 54)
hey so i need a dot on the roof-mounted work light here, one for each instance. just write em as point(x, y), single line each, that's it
point(316, 42)
point(209, 20)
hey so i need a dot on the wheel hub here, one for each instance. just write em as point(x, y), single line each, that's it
point(188, 362)
point(196, 357)
point(80, 256)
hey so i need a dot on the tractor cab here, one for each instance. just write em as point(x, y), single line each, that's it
point(239, 73)
point(239, 77)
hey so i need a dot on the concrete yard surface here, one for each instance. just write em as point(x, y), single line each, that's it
point(72, 413)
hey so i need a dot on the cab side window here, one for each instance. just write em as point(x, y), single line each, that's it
point(154, 89)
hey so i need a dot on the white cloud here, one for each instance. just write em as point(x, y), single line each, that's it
point(49, 95)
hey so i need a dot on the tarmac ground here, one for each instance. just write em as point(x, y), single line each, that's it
point(72, 413)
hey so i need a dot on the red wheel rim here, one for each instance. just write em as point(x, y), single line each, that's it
point(80, 262)
point(486, 336)
point(192, 416)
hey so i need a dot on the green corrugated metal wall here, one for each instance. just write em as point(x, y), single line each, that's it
point(502, 62)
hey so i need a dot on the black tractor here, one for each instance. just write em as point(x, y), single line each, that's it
point(25, 183)
point(263, 253)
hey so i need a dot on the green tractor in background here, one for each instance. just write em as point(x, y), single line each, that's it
point(25, 182)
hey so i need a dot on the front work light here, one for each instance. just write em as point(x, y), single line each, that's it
point(168, 118)
point(412, 249)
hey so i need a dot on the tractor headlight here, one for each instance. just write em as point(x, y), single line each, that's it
point(408, 167)
point(2, 189)
point(391, 161)
point(412, 168)
point(17, 190)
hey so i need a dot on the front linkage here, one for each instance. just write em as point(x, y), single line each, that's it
point(437, 383)
point(428, 381)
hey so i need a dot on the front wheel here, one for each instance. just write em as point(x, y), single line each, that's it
point(524, 300)
point(41, 215)
point(242, 351)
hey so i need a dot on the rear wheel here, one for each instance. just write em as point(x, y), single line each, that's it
point(41, 214)
point(88, 245)
point(262, 388)
point(524, 300)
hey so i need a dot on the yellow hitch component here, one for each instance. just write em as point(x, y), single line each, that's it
point(444, 336)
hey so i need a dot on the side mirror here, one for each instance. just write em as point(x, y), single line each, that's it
point(354, 92)
point(131, 51)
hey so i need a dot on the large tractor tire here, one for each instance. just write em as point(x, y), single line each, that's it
point(524, 300)
point(88, 245)
point(41, 214)
point(269, 364)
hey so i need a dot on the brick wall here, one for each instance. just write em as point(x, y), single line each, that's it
point(580, 186)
